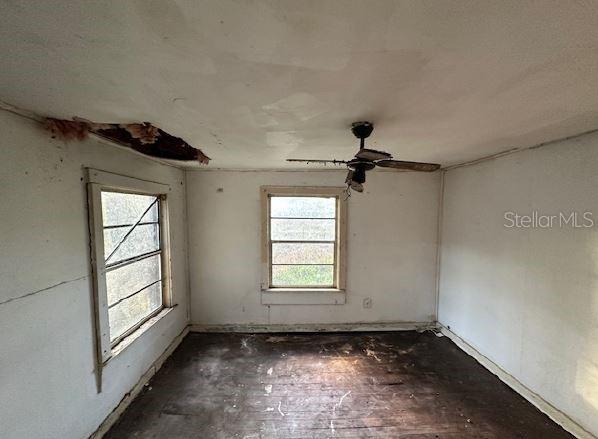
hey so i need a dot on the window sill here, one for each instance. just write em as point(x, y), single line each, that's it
point(303, 296)
point(128, 340)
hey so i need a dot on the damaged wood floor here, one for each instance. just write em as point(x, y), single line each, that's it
point(350, 385)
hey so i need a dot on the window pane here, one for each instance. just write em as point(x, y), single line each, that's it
point(302, 253)
point(302, 230)
point(302, 275)
point(143, 239)
point(120, 209)
point(303, 207)
point(126, 280)
point(133, 310)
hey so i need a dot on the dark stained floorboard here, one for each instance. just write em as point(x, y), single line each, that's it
point(352, 385)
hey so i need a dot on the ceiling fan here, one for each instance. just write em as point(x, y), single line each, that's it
point(367, 159)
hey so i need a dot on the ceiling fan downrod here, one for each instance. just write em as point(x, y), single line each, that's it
point(362, 131)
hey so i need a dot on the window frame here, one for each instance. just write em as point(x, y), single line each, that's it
point(307, 295)
point(97, 182)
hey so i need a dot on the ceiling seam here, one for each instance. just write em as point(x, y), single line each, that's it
point(516, 150)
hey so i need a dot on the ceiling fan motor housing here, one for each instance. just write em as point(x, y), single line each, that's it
point(362, 130)
point(366, 165)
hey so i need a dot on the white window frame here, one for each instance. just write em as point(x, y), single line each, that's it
point(98, 181)
point(304, 296)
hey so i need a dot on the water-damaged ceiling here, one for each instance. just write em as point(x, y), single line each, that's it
point(254, 82)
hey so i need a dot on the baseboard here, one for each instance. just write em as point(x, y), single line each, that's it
point(544, 406)
point(317, 327)
point(130, 396)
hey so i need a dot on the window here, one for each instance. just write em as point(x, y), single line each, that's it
point(132, 257)
point(303, 239)
point(129, 254)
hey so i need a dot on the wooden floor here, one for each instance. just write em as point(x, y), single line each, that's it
point(357, 385)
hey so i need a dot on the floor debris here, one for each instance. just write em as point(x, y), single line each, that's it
point(346, 348)
point(371, 353)
point(280, 411)
point(275, 339)
point(422, 392)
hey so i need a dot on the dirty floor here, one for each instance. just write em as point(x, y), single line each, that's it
point(351, 385)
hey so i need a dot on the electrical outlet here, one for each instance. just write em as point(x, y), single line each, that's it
point(367, 302)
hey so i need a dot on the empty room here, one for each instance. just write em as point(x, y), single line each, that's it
point(262, 219)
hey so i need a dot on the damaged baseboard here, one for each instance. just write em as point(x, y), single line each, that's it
point(132, 394)
point(540, 403)
point(315, 327)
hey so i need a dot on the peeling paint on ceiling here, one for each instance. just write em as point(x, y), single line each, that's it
point(254, 82)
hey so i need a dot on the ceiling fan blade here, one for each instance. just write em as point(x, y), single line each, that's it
point(372, 154)
point(409, 166)
point(335, 162)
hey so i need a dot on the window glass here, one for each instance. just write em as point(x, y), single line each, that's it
point(302, 229)
point(303, 207)
point(132, 311)
point(126, 280)
point(302, 253)
point(142, 239)
point(124, 209)
point(302, 241)
point(132, 256)
point(302, 275)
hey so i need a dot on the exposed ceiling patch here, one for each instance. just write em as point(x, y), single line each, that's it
point(142, 137)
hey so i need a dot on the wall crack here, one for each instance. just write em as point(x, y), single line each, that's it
point(12, 299)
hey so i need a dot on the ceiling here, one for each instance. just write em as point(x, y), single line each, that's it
point(252, 83)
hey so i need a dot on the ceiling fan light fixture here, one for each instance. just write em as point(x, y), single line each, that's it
point(356, 186)
point(358, 175)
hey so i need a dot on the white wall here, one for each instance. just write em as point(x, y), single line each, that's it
point(392, 233)
point(527, 298)
point(47, 381)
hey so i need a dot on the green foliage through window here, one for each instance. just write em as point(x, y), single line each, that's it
point(302, 241)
